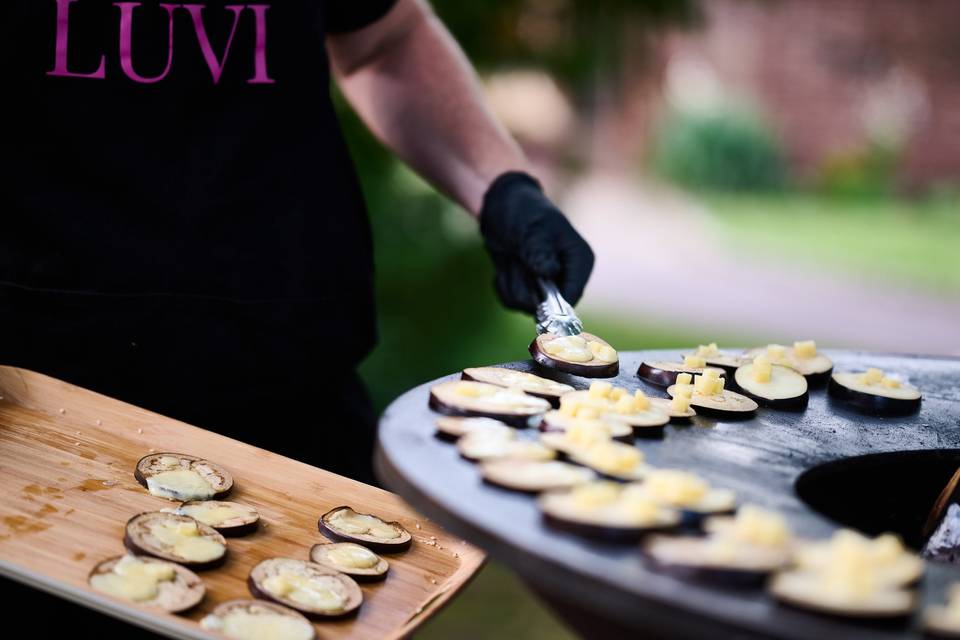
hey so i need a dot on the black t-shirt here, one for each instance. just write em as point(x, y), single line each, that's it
point(174, 174)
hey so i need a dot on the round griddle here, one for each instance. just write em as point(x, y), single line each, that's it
point(760, 458)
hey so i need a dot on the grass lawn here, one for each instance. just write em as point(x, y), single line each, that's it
point(909, 243)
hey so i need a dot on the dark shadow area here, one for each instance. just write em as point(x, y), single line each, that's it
point(880, 492)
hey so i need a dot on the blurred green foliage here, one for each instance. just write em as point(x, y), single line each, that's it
point(868, 172)
point(726, 150)
point(573, 40)
point(907, 243)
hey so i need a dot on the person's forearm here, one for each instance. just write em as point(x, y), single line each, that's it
point(411, 84)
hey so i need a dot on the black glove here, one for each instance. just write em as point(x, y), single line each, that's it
point(528, 237)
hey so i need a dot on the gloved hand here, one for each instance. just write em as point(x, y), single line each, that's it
point(527, 236)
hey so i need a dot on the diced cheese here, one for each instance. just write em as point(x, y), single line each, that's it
point(890, 383)
point(805, 349)
point(640, 401)
point(776, 352)
point(684, 378)
point(680, 404)
point(675, 487)
point(613, 457)
point(624, 405)
point(600, 390)
point(586, 433)
point(712, 372)
point(639, 508)
point(707, 350)
point(588, 413)
point(683, 391)
point(595, 494)
point(694, 362)
point(617, 393)
point(760, 527)
point(603, 352)
point(873, 375)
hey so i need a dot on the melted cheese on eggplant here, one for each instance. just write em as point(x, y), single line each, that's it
point(133, 579)
point(180, 484)
point(263, 625)
point(316, 592)
point(353, 555)
point(349, 521)
point(186, 541)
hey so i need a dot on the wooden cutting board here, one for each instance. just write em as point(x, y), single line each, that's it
point(67, 457)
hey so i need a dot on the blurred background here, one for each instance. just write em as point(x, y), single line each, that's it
point(747, 171)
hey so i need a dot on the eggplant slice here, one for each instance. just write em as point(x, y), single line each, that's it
point(346, 525)
point(664, 374)
point(691, 495)
point(815, 368)
point(312, 589)
point(486, 445)
point(530, 476)
point(874, 398)
point(177, 476)
point(647, 422)
point(613, 460)
point(555, 422)
point(664, 404)
point(786, 390)
point(595, 510)
point(544, 388)
point(350, 558)
point(175, 538)
point(805, 590)
point(726, 404)
point(452, 428)
point(725, 360)
point(581, 355)
point(258, 620)
point(714, 560)
point(481, 400)
point(892, 564)
point(148, 581)
point(229, 518)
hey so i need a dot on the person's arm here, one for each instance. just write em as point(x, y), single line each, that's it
point(411, 84)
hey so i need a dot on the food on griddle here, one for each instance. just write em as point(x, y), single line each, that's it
point(772, 385)
point(478, 399)
point(346, 525)
point(229, 518)
point(488, 445)
point(713, 356)
point(686, 492)
point(177, 476)
point(708, 395)
point(532, 476)
point(556, 422)
point(874, 392)
point(605, 402)
point(802, 357)
point(511, 378)
point(148, 581)
point(583, 355)
point(605, 510)
point(258, 620)
point(740, 550)
point(176, 538)
point(355, 560)
point(312, 589)
point(453, 427)
point(664, 374)
point(853, 576)
point(614, 460)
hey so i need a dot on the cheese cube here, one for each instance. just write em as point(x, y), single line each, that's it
point(625, 405)
point(712, 372)
point(805, 349)
point(617, 393)
point(684, 378)
point(587, 412)
point(890, 383)
point(762, 375)
point(683, 391)
point(694, 362)
point(640, 401)
point(600, 389)
point(776, 352)
point(718, 386)
point(680, 404)
point(705, 350)
point(873, 375)
point(569, 407)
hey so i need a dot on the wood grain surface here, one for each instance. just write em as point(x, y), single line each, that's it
point(67, 457)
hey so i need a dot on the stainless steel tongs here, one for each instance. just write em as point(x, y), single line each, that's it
point(555, 315)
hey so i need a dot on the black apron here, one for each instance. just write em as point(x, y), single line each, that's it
point(182, 227)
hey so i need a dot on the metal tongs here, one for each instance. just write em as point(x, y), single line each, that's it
point(555, 315)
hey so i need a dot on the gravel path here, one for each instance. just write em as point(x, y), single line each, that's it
point(659, 260)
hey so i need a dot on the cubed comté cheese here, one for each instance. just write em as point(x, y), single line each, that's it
point(694, 362)
point(873, 376)
point(684, 378)
point(599, 390)
point(805, 349)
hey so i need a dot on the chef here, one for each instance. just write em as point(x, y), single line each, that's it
point(182, 226)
